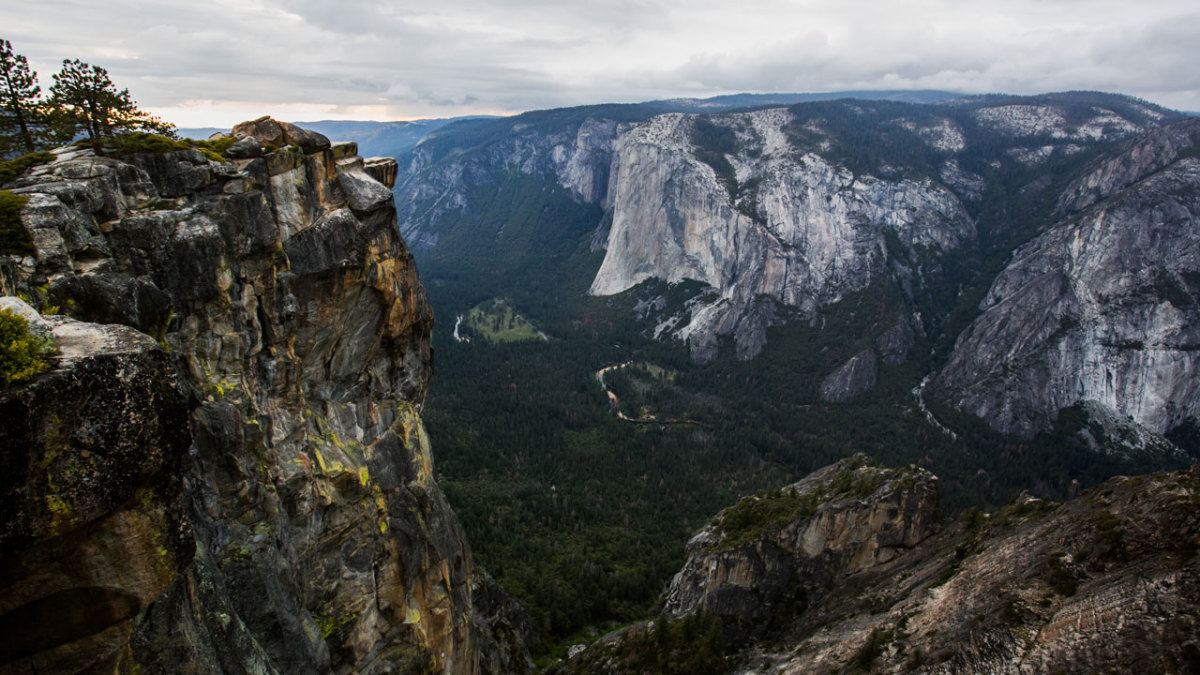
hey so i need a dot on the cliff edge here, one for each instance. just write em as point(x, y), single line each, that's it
point(287, 503)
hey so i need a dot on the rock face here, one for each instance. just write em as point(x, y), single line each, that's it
point(1109, 581)
point(575, 156)
point(1104, 308)
point(93, 524)
point(789, 548)
point(781, 211)
point(801, 230)
point(292, 310)
point(854, 377)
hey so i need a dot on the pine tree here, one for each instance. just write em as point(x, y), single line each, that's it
point(83, 97)
point(19, 93)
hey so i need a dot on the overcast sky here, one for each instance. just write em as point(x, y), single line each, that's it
point(217, 62)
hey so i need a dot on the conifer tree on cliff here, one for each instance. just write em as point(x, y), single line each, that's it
point(83, 97)
point(19, 92)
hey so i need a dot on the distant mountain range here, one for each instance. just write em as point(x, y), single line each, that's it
point(390, 139)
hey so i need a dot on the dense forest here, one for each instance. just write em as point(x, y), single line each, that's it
point(584, 516)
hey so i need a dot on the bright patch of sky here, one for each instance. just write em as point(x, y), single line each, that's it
point(218, 62)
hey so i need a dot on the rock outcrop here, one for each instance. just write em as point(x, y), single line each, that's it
point(282, 294)
point(1109, 581)
point(789, 548)
point(782, 203)
point(1104, 308)
point(854, 377)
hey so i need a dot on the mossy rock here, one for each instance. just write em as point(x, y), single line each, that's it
point(11, 168)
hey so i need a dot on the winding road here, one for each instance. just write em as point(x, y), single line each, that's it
point(615, 401)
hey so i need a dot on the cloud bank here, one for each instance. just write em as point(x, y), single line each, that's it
point(218, 62)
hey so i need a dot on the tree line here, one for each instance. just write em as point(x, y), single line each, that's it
point(83, 101)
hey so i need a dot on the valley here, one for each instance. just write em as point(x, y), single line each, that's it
point(583, 515)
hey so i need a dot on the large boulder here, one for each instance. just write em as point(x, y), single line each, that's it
point(268, 131)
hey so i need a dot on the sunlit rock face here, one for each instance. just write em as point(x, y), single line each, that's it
point(279, 293)
point(802, 230)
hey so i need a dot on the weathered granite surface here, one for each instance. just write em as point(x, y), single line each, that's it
point(865, 579)
point(279, 290)
point(1104, 307)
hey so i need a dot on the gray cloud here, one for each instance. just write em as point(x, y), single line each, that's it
point(225, 59)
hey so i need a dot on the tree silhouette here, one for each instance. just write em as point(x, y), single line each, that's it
point(19, 98)
point(83, 97)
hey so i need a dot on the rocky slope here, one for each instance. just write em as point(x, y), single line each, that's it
point(279, 514)
point(1103, 308)
point(789, 547)
point(575, 156)
point(806, 205)
point(867, 581)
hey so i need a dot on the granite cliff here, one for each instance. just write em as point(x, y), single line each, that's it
point(1100, 310)
point(782, 222)
point(848, 571)
point(270, 506)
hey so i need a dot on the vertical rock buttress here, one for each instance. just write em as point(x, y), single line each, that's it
point(316, 539)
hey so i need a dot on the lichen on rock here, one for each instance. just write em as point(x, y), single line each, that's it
point(278, 288)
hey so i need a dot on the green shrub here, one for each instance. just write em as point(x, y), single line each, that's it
point(1062, 580)
point(1108, 527)
point(14, 238)
point(214, 150)
point(11, 168)
point(143, 142)
point(22, 354)
point(859, 484)
point(692, 644)
point(753, 517)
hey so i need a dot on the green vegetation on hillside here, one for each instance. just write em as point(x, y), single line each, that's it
point(22, 353)
point(14, 238)
point(144, 142)
point(11, 168)
point(751, 517)
point(691, 645)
